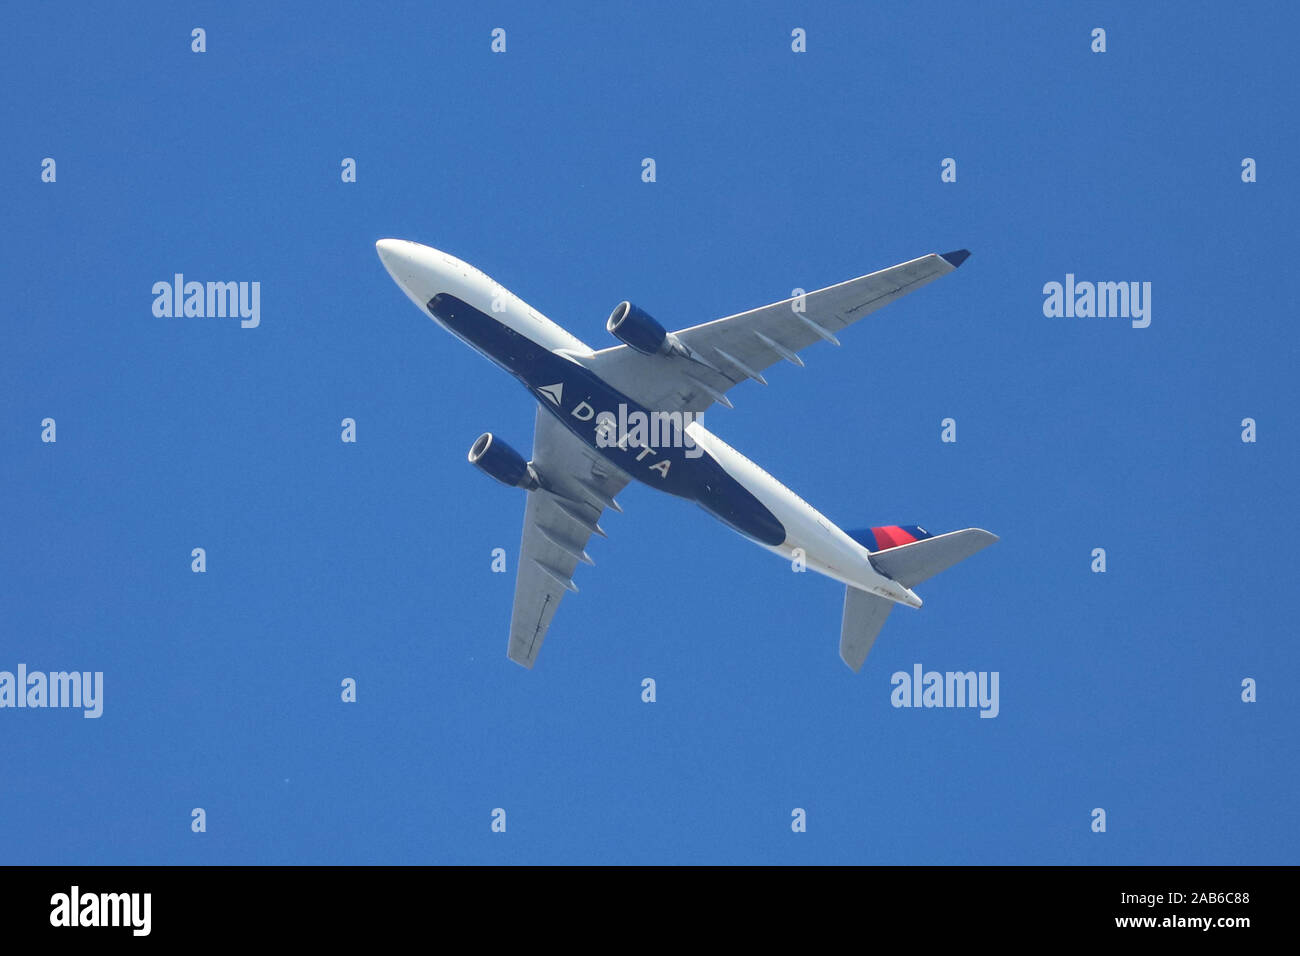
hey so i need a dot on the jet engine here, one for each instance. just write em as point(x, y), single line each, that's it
point(502, 462)
point(636, 329)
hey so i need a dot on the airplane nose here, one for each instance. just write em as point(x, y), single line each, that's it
point(407, 263)
point(390, 254)
point(412, 267)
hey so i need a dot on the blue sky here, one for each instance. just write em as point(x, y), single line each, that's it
point(774, 170)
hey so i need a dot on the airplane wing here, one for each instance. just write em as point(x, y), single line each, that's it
point(559, 518)
point(727, 351)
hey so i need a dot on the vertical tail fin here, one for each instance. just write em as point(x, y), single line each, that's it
point(864, 616)
point(909, 564)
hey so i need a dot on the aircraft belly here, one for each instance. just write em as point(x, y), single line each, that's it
point(581, 400)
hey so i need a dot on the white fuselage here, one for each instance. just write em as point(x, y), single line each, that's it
point(423, 273)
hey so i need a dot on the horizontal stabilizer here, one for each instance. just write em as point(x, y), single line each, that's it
point(910, 564)
point(864, 616)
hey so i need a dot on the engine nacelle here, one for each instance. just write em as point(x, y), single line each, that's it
point(502, 462)
point(636, 329)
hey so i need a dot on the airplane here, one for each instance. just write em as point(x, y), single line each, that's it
point(594, 433)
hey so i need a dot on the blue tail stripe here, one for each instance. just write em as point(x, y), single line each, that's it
point(867, 536)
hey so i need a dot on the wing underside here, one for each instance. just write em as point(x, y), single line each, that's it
point(560, 517)
point(727, 351)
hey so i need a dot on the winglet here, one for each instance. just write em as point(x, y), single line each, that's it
point(955, 259)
